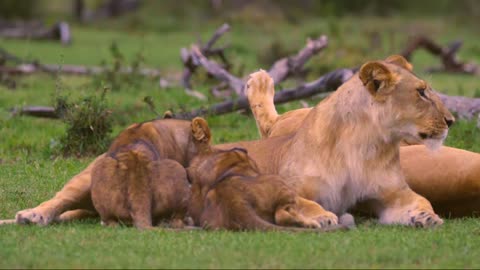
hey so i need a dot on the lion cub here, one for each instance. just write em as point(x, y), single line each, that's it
point(228, 192)
point(142, 179)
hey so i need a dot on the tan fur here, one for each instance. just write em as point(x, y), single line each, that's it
point(141, 180)
point(301, 159)
point(449, 178)
point(228, 192)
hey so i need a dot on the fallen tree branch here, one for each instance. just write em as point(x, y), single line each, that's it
point(328, 82)
point(463, 107)
point(30, 67)
point(447, 54)
point(59, 31)
point(37, 111)
point(190, 61)
point(288, 66)
point(280, 70)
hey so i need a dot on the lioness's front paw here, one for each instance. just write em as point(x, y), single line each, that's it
point(327, 220)
point(425, 219)
point(34, 216)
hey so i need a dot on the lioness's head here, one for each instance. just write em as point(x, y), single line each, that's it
point(414, 112)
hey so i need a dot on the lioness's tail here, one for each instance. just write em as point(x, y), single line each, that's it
point(260, 92)
point(137, 170)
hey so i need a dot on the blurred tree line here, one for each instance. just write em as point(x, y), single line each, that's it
point(24, 9)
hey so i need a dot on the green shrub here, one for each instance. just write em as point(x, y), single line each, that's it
point(88, 124)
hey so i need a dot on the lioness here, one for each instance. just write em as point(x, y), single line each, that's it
point(337, 157)
point(228, 192)
point(140, 180)
point(449, 178)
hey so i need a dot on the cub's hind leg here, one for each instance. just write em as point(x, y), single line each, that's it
point(171, 192)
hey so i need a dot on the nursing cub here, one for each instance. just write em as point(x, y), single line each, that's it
point(142, 179)
point(228, 192)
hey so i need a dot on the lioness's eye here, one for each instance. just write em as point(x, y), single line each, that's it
point(421, 91)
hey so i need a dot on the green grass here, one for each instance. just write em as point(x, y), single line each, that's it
point(30, 173)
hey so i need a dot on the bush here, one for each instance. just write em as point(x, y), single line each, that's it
point(88, 124)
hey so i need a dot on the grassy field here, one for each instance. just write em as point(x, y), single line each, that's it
point(30, 172)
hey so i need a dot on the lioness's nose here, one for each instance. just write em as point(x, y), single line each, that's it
point(449, 121)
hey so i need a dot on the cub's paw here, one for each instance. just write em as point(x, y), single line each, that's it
point(327, 220)
point(259, 85)
point(424, 219)
point(34, 216)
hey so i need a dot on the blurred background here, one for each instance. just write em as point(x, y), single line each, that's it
point(41, 39)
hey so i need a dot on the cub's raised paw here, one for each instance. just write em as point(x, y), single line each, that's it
point(425, 219)
point(33, 216)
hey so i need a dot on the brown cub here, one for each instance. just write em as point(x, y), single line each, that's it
point(142, 180)
point(228, 192)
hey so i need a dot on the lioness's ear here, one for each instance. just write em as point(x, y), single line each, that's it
point(376, 77)
point(200, 130)
point(399, 61)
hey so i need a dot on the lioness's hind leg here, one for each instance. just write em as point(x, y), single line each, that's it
point(74, 195)
point(260, 92)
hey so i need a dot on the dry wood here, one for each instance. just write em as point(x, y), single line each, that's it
point(328, 82)
point(446, 54)
point(59, 31)
point(280, 70)
point(288, 66)
point(26, 68)
point(37, 111)
point(463, 107)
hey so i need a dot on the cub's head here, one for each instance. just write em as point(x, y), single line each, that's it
point(404, 103)
point(208, 169)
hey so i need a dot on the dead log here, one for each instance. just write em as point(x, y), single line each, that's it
point(328, 82)
point(59, 31)
point(282, 69)
point(37, 111)
point(29, 67)
point(190, 62)
point(447, 54)
point(291, 65)
point(463, 107)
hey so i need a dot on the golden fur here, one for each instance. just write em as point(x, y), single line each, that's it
point(141, 179)
point(449, 178)
point(228, 192)
point(328, 157)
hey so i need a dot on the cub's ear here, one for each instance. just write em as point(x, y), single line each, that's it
point(200, 130)
point(168, 114)
point(377, 78)
point(399, 61)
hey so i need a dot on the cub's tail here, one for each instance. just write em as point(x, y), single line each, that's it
point(260, 92)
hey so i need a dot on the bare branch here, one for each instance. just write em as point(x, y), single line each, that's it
point(287, 66)
point(446, 54)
